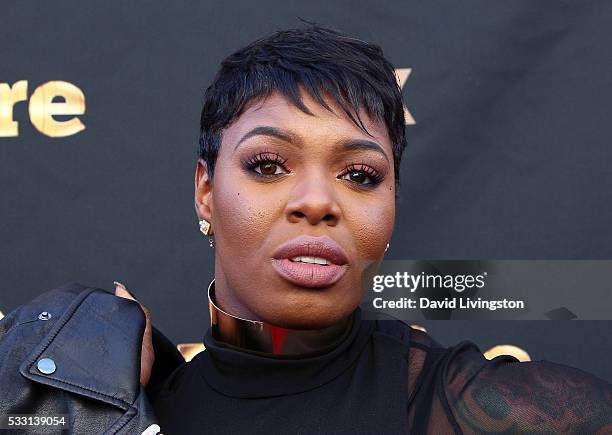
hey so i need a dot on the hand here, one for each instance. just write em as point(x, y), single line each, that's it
point(147, 355)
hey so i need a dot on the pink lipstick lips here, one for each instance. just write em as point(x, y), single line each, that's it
point(308, 261)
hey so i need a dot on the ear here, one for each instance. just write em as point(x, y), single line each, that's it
point(203, 193)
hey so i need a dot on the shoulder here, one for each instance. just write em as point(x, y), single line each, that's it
point(422, 354)
point(90, 343)
point(68, 307)
point(68, 314)
point(476, 395)
point(53, 302)
point(504, 394)
point(400, 331)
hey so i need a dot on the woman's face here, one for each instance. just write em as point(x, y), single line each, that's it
point(282, 174)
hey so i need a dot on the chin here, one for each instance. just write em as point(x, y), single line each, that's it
point(311, 317)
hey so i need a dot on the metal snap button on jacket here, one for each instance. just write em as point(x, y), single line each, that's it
point(45, 315)
point(46, 366)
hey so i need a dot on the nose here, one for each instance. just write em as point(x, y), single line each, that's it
point(313, 199)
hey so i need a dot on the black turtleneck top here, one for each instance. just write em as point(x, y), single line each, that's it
point(381, 377)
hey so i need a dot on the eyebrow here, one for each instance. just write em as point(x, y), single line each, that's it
point(346, 145)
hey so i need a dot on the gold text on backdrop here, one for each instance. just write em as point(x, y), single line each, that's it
point(43, 107)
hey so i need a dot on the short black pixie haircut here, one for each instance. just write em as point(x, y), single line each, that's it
point(352, 72)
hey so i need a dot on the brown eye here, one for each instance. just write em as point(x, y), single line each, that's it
point(357, 176)
point(268, 168)
point(266, 165)
point(363, 175)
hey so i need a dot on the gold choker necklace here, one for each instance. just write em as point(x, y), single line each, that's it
point(261, 337)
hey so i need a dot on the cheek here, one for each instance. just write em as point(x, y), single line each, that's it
point(242, 217)
point(372, 227)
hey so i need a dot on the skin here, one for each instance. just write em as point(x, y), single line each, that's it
point(311, 193)
point(147, 355)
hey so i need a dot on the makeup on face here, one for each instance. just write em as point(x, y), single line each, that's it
point(300, 203)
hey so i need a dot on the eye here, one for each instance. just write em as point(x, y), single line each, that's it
point(357, 176)
point(361, 174)
point(268, 168)
point(266, 164)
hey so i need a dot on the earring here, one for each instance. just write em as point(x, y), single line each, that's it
point(387, 247)
point(204, 226)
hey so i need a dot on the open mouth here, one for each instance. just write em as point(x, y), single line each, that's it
point(311, 260)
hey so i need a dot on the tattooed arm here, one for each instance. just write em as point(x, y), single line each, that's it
point(506, 396)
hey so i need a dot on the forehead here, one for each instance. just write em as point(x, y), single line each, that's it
point(320, 127)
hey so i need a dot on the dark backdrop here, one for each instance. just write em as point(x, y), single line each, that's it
point(509, 157)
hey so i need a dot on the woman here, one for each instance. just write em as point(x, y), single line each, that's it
point(302, 134)
point(302, 137)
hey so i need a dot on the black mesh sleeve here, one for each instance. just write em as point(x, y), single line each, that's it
point(506, 396)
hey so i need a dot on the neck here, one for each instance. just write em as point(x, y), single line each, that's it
point(265, 338)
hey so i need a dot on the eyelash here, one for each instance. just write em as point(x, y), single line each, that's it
point(274, 158)
point(264, 157)
point(374, 175)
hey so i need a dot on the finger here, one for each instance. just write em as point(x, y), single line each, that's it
point(147, 357)
point(122, 291)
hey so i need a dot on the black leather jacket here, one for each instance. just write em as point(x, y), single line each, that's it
point(75, 350)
